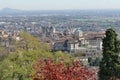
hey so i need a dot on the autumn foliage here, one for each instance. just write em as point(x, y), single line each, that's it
point(49, 70)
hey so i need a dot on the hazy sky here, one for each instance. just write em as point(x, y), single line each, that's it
point(59, 4)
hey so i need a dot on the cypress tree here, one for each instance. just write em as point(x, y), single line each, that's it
point(110, 64)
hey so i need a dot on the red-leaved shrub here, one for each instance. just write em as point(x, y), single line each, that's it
point(48, 70)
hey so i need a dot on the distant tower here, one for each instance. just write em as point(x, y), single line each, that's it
point(52, 29)
point(43, 32)
point(78, 33)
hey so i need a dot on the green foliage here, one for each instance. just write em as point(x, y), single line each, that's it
point(65, 57)
point(18, 65)
point(90, 61)
point(97, 61)
point(3, 52)
point(22, 64)
point(94, 61)
point(110, 64)
point(29, 42)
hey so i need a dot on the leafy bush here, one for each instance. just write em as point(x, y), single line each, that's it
point(49, 70)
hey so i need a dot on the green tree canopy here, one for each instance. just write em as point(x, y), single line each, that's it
point(110, 64)
point(18, 65)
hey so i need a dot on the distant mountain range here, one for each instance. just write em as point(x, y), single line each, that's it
point(9, 11)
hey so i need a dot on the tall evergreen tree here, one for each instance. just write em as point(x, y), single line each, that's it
point(110, 64)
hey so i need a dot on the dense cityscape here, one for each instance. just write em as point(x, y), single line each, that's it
point(53, 36)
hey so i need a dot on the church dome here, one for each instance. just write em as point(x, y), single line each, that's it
point(78, 30)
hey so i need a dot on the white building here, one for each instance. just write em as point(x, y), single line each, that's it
point(90, 44)
point(78, 33)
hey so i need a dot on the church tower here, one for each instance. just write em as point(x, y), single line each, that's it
point(78, 33)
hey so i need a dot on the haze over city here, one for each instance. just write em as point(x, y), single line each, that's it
point(59, 4)
point(59, 39)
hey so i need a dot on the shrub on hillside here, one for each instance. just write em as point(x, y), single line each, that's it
point(49, 70)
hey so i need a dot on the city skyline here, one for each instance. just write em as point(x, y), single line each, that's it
point(60, 4)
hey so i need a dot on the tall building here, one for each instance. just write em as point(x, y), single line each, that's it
point(52, 29)
point(43, 32)
point(78, 33)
